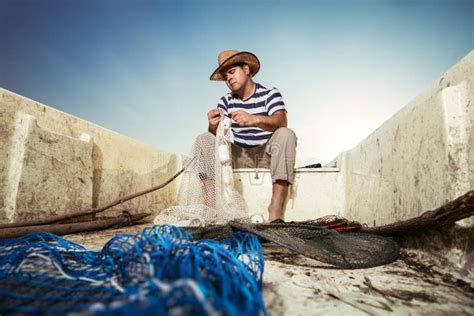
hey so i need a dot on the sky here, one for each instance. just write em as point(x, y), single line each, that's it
point(141, 68)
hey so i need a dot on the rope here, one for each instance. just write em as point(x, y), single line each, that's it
point(159, 271)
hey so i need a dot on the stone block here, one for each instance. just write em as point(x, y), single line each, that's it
point(43, 173)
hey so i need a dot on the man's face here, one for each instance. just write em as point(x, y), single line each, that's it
point(236, 76)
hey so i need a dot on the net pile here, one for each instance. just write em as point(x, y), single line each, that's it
point(340, 246)
point(207, 195)
point(348, 250)
point(159, 271)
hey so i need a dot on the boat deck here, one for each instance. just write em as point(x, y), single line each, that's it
point(416, 284)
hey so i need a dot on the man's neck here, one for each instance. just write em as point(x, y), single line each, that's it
point(247, 91)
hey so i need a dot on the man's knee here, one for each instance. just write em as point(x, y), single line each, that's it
point(203, 155)
point(206, 140)
point(283, 142)
point(285, 134)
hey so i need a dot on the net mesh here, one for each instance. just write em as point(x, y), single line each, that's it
point(207, 195)
point(341, 246)
point(160, 271)
point(348, 250)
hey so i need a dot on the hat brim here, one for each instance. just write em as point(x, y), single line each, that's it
point(241, 57)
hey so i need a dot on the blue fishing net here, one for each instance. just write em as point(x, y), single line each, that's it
point(160, 271)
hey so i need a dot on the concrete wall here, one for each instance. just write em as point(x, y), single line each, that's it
point(420, 158)
point(52, 162)
point(40, 169)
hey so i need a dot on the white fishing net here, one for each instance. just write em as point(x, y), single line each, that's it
point(207, 194)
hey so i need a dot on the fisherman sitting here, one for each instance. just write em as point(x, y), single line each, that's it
point(261, 138)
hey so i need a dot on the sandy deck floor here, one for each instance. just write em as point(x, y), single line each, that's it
point(415, 284)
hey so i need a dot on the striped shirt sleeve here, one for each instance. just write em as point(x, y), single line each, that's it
point(274, 102)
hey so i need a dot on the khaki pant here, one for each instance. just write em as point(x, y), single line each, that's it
point(278, 154)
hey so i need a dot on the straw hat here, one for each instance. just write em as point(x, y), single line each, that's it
point(232, 57)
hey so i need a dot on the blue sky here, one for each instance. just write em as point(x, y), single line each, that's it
point(141, 68)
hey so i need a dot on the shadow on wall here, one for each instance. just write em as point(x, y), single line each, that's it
point(110, 185)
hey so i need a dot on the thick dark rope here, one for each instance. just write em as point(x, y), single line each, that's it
point(91, 211)
point(125, 219)
point(446, 215)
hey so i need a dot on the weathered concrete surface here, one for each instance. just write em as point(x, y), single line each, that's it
point(418, 283)
point(116, 165)
point(44, 173)
point(420, 158)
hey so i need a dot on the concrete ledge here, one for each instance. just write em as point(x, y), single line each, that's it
point(46, 172)
point(44, 150)
point(420, 158)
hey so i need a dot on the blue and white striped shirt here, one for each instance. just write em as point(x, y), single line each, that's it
point(265, 101)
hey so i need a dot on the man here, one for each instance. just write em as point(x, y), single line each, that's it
point(261, 136)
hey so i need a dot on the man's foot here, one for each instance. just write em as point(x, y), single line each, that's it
point(277, 221)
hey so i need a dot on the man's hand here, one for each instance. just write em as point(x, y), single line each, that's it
point(245, 119)
point(213, 116)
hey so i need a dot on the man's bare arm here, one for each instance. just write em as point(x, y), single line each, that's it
point(267, 123)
